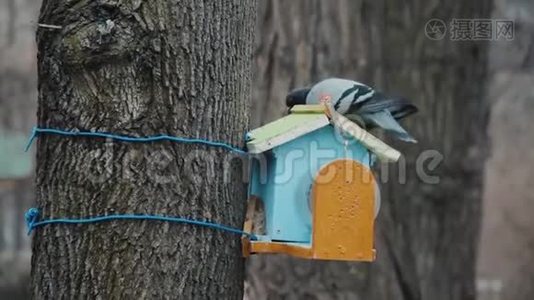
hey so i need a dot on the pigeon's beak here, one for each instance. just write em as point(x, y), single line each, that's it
point(297, 97)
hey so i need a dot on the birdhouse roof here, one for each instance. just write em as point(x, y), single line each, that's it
point(307, 118)
point(303, 120)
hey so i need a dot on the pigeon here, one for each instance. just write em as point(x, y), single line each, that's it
point(359, 103)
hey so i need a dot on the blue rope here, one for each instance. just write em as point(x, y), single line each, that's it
point(36, 131)
point(32, 221)
point(32, 215)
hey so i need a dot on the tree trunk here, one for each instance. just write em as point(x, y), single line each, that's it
point(427, 233)
point(141, 68)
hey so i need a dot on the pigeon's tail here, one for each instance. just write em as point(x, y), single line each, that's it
point(381, 111)
point(398, 107)
point(385, 120)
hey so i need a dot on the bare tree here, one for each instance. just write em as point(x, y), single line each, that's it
point(427, 234)
point(141, 68)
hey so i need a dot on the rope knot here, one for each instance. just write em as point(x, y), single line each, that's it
point(31, 217)
point(32, 137)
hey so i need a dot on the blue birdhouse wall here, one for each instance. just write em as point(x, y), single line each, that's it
point(283, 175)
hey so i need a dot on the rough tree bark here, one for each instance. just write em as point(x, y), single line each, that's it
point(427, 234)
point(141, 68)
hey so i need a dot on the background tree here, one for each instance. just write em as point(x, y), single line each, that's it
point(17, 110)
point(506, 260)
point(427, 234)
point(141, 68)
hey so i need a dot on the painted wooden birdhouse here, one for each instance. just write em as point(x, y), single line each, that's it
point(311, 192)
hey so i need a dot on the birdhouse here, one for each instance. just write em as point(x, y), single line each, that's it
point(312, 193)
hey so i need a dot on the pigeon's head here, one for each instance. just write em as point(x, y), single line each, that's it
point(297, 97)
